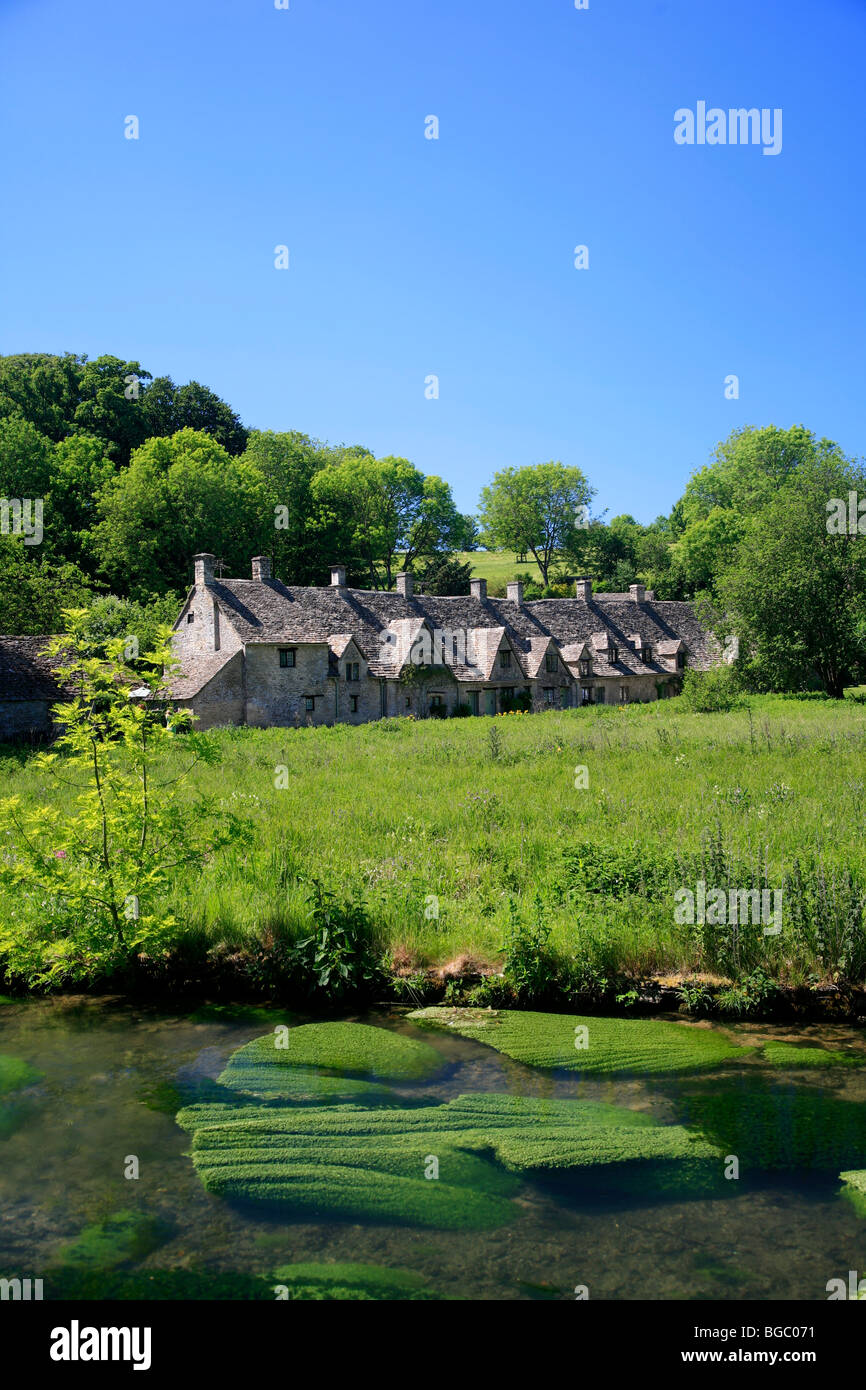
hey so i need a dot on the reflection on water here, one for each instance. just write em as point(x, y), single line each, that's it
point(114, 1074)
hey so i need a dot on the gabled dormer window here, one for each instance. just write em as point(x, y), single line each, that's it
point(550, 662)
point(352, 670)
point(646, 655)
point(584, 667)
point(613, 654)
point(681, 661)
point(505, 659)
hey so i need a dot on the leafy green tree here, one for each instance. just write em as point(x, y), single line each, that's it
point(303, 542)
point(43, 389)
point(795, 595)
point(382, 509)
point(539, 508)
point(178, 496)
point(167, 408)
point(444, 574)
point(88, 873)
point(110, 405)
point(34, 588)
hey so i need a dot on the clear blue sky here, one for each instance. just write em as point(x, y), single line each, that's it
point(409, 256)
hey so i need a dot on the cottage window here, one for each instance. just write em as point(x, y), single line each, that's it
point(599, 694)
point(623, 694)
point(474, 701)
point(613, 653)
point(352, 671)
point(436, 701)
point(646, 655)
point(408, 701)
point(353, 704)
point(548, 695)
point(585, 694)
point(505, 659)
point(287, 656)
point(584, 667)
point(190, 617)
point(550, 662)
point(309, 702)
point(507, 694)
point(681, 661)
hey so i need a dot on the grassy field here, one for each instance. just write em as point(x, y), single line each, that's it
point(498, 566)
point(451, 831)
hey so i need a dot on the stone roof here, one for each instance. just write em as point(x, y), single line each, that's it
point(267, 611)
point(27, 672)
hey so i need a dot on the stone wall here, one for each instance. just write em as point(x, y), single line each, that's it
point(23, 718)
point(221, 701)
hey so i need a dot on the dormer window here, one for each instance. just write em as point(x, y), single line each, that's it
point(352, 671)
point(550, 662)
point(584, 667)
point(681, 661)
point(646, 655)
point(613, 654)
point(505, 660)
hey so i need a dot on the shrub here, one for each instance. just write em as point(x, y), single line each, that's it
point(339, 958)
point(711, 692)
point(529, 965)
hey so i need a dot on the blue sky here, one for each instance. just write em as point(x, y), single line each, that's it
point(454, 257)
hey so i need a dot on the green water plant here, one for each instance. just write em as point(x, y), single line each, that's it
point(589, 1044)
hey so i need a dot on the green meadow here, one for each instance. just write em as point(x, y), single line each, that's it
point(454, 833)
point(498, 566)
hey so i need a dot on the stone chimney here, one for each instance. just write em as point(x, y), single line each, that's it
point(650, 596)
point(637, 592)
point(262, 567)
point(478, 589)
point(204, 564)
point(514, 591)
point(338, 576)
point(583, 589)
point(405, 584)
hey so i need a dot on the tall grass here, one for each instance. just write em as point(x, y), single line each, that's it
point(439, 827)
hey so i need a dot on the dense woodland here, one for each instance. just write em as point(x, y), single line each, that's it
point(136, 474)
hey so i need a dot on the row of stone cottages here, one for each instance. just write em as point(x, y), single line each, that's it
point(255, 651)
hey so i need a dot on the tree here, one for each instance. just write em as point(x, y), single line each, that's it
point(34, 589)
point(110, 405)
point(167, 408)
point(43, 389)
point(89, 871)
point(303, 542)
point(537, 508)
point(380, 508)
point(794, 594)
point(178, 496)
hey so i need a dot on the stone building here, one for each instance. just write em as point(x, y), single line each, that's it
point(28, 688)
point(256, 651)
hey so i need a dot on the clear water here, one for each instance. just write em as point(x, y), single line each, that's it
point(109, 1066)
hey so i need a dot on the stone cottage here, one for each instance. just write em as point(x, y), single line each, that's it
point(256, 651)
point(28, 687)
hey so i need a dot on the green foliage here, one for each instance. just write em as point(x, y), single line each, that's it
point(778, 1128)
point(359, 1162)
point(122, 1238)
point(528, 965)
point(87, 875)
point(16, 1073)
point(341, 1280)
point(537, 508)
point(327, 1061)
point(339, 958)
point(613, 1045)
point(709, 692)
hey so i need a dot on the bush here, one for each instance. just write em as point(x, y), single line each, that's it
point(711, 692)
point(529, 966)
point(339, 958)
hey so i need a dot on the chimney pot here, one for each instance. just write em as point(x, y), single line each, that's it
point(478, 589)
point(405, 584)
point(583, 589)
point(204, 567)
point(338, 576)
point(261, 567)
point(514, 591)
